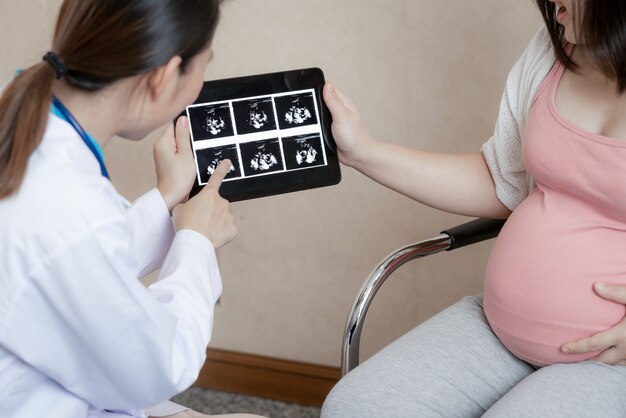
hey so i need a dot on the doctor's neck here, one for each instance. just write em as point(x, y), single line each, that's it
point(103, 114)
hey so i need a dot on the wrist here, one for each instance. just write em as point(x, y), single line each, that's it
point(168, 197)
point(362, 160)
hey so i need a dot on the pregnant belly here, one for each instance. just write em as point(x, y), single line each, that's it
point(538, 283)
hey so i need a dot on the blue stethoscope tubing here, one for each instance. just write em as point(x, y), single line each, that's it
point(87, 139)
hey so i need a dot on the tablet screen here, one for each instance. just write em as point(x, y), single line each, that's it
point(278, 141)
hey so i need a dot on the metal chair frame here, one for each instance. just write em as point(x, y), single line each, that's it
point(466, 234)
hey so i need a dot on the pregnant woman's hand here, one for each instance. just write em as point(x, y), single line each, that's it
point(612, 342)
point(353, 140)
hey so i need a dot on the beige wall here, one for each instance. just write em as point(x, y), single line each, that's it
point(424, 73)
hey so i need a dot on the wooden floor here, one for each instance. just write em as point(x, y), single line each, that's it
point(266, 377)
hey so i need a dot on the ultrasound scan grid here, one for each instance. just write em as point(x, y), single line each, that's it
point(261, 157)
point(296, 110)
point(230, 125)
point(210, 121)
point(254, 115)
point(208, 159)
point(303, 151)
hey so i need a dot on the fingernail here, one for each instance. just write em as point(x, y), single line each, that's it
point(565, 350)
point(601, 287)
point(183, 121)
point(331, 88)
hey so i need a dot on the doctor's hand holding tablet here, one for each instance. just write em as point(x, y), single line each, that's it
point(206, 213)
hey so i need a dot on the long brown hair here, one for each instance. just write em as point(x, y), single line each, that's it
point(601, 25)
point(99, 42)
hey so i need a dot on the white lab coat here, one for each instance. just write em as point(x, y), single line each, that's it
point(79, 333)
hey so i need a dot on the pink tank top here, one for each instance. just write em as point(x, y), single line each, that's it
point(568, 233)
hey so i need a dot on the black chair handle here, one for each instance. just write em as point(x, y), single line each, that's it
point(474, 231)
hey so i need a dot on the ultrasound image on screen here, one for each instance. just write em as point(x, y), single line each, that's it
point(261, 157)
point(295, 110)
point(293, 142)
point(254, 115)
point(303, 151)
point(208, 159)
point(210, 121)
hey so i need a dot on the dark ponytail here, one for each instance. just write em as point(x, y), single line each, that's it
point(99, 42)
point(24, 108)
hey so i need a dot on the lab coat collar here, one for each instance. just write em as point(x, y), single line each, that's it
point(61, 141)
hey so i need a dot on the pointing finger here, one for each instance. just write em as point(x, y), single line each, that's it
point(219, 174)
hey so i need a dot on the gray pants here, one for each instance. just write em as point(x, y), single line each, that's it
point(454, 366)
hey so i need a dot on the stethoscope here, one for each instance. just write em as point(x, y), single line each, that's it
point(87, 139)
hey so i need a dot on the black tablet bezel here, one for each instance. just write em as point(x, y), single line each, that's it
point(269, 84)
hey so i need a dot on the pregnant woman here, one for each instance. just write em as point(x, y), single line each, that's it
point(541, 342)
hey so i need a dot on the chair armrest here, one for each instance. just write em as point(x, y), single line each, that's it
point(466, 234)
point(473, 232)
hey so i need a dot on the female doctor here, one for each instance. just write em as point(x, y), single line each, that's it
point(80, 336)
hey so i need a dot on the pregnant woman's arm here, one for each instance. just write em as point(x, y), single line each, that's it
point(612, 342)
point(458, 183)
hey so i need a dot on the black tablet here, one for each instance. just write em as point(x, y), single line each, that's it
point(274, 128)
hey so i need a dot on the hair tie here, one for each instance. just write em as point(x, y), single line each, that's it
point(56, 63)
